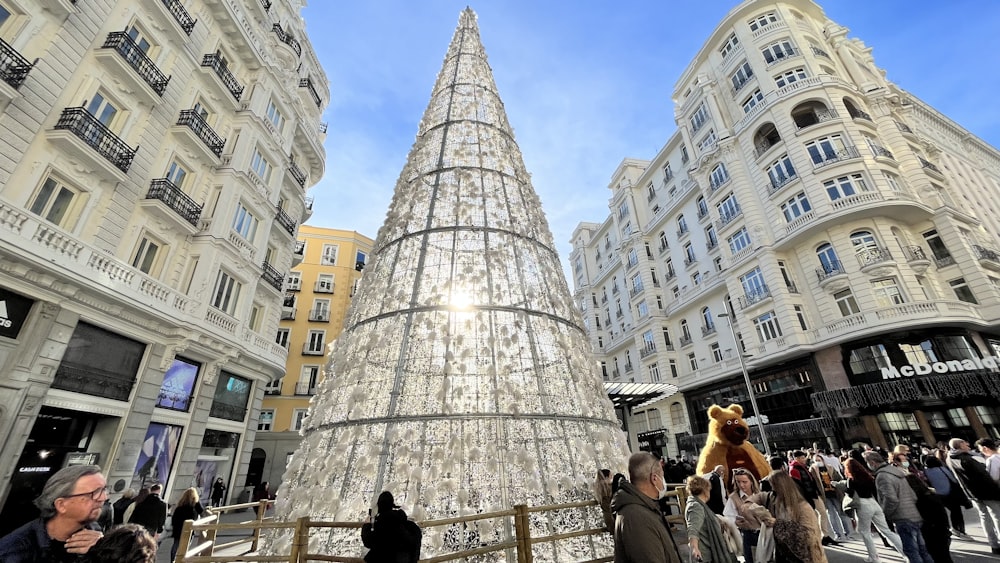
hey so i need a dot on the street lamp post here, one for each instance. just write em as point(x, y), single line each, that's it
point(746, 378)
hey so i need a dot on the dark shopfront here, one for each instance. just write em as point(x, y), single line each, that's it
point(783, 394)
point(917, 388)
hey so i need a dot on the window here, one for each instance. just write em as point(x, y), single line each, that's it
point(708, 141)
point(632, 258)
point(265, 422)
point(781, 171)
point(636, 283)
point(137, 37)
point(711, 240)
point(886, 292)
point(226, 293)
point(654, 373)
point(642, 309)
point(689, 256)
point(846, 302)
point(728, 208)
point(682, 225)
point(801, 316)
point(320, 310)
point(938, 249)
point(742, 75)
point(101, 108)
point(298, 418)
point(826, 149)
point(54, 202)
point(672, 364)
point(4, 15)
point(893, 181)
point(795, 207)
point(863, 241)
point(767, 326)
point(176, 174)
point(962, 290)
point(669, 267)
point(692, 362)
point(308, 380)
point(718, 176)
point(867, 359)
point(676, 415)
point(828, 260)
point(778, 51)
point(755, 98)
point(716, 352)
point(684, 155)
point(732, 43)
point(706, 318)
point(260, 166)
point(324, 283)
point(281, 338)
point(845, 186)
point(623, 210)
point(274, 116)
point(739, 240)
point(294, 281)
point(685, 331)
point(244, 222)
point(699, 118)
point(762, 21)
point(145, 255)
point(753, 285)
point(702, 207)
point(314, 343)
point(788, 77)
point(329, 255)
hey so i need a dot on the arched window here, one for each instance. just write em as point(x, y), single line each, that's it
point(682, 225)
point(706, 317)
point(811, 113)
point(676, 415)
point(702, 207)
point(685, 331)
point(766, 137)
point(828, 260)
point(854, 111)
point(863, 241)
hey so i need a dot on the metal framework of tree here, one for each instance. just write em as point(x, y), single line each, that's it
point(463, 381)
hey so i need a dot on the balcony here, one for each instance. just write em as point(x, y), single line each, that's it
point(181, 16)
point(181, 205)
point(987, 257)
point(288, 314)
point(286, 222)
point(741, 85)
point(13, 67)
point(814, 117)
point(875, 260)
point(95, 135)
point(288, 301)
point(299, 252)
point(297, 173)
point(311, 90)
point(320, 315)
point(310, 349)
point(727, 218)
point(832, 276)
point(784, 56)
point(131, 55)
point(635, 291)
point(191, 121)
point(916, 258)
point(324, 286)
point(683, 231)
point(708, 329)
point(273, 277)
point(839, 155)
point(684, 341)
point(882, 152)
point(711, 245)
point(905, 129)
point(220, 70)
point(266, 4)
point(776, 185)
point(752, 298)
point(714, 185)
point(647, 350)
point(931, 167)
point(820, 52)
point(629, 367)
point(287, 39)
point(944, 261)
point(614, 290)
point(762, 147)
point(305, 388)
point(917, 313)
point(857, 114)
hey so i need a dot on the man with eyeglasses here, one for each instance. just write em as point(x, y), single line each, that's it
point(642, 535)
point(70, 505)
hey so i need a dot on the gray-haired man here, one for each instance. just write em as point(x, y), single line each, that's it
point(70, 504)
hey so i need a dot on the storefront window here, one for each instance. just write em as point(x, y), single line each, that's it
point(215, 459)
point(958, 417)
point(156, 458)
point(869, 358)
point(99, 362)
point(988, 415)
point(936, 419)
point(178, 385)
point(897, 421)
point(231, 397)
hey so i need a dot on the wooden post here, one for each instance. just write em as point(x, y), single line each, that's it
point(210, 536)
point(185, 540)
point(300, 541)
point(522, 533)
point(261, 510)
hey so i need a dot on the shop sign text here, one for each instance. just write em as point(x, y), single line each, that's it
point(951, 366)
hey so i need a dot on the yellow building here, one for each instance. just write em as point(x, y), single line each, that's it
point(318, 293)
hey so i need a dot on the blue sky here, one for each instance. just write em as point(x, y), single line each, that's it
point(587, 83)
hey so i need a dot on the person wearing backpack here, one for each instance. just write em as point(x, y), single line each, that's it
point(391, 537)
point(899, 503)
point(934, 528)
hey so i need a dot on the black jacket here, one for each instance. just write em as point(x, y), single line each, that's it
point(641, 533)
point(972, 475)
point(182, 513)
point(391, 538)
point(150, 514)
point(119, 507)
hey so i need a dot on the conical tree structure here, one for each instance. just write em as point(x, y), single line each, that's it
point(463, 381)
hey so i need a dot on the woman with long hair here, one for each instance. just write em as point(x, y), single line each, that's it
point(602, 492)
point(187, 508)
point(861, 487)
point(744, 513)
point(786, 503)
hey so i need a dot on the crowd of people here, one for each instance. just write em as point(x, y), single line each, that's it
point(912, 500)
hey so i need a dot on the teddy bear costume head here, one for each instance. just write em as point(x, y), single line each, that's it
point(727, 444)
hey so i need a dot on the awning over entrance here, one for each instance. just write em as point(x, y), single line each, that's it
point(633, 395)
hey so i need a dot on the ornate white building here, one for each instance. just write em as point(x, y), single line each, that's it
point(847, 229)
point(156, 156)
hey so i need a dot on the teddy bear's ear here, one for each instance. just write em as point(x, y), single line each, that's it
point(736, 409)
point(714, 411)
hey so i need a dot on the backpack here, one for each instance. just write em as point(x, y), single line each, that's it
point(415, 535)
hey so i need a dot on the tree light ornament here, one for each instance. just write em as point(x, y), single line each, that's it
point(463, 380)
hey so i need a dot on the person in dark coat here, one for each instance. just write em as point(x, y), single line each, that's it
point(188, 507)
point(981, 489)
point(218, 492)
point(934, 528)
point(642, 535)
point(391, 537)
point(151, 513)
point(717, 495)
point(121, 505)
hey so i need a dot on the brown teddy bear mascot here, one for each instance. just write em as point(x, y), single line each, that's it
point(727, 444)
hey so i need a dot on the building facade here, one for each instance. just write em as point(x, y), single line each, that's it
point(845, 228)
point(318, 292)
point(156, 156)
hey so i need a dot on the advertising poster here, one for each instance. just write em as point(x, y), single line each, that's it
point(178, 385)
point(156, 456)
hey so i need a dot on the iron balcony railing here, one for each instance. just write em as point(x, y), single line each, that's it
point(763, 146)
point(780, 182)
point(271, 275)
point(321, 315)
point(812, 118)
point(785, 55)
point(838, 155)
point(164, 190)
point(751, 298)
point(266, 4)
point(307, 83)
point(88, 128)
point(904, 127)
point(287, 39)
point(300, 248)
point(727, 218)
point(914, 253)
point(928, 165)
point(288, 301)
point(297, 173)
point(858, 114)
point(944, 261)
point(322, 128)
point(984, 253)
point(194, 121)
point(216, 63)
point(309, 202)
point(182, 16)
point(684, 341)
point(820, 52)
point(133, 55)
point(830, 269)
point(14, 68)
point(878, 150)
point(708, 329)
point(285, 221)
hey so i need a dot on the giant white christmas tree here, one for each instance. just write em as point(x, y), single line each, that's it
point(463, 381)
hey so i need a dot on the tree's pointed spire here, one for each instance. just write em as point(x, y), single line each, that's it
point(463, 381)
